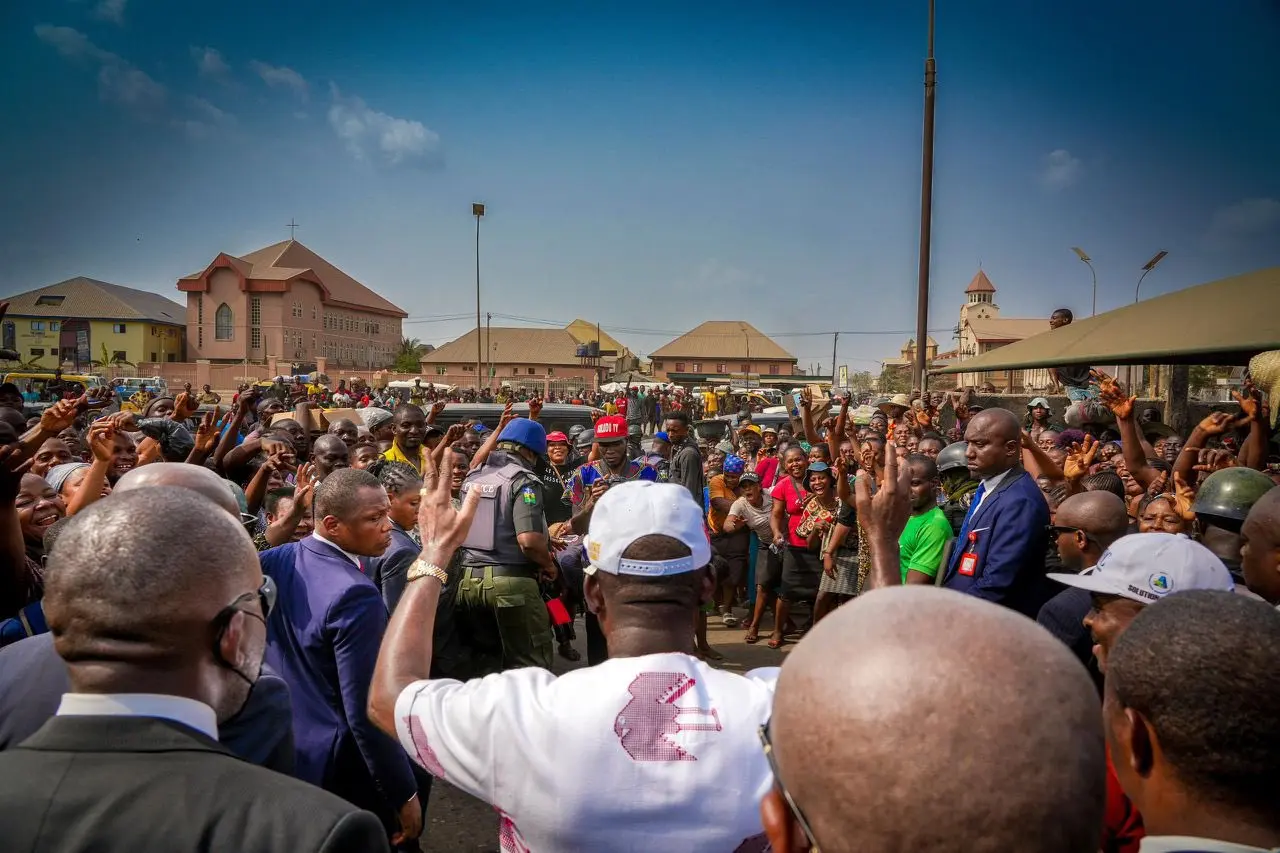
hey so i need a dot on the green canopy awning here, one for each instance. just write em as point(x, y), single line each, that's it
point(1223, 322)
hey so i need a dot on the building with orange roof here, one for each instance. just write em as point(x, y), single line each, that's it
point(286, 302)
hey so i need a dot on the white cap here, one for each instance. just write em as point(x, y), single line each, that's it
point(1145, 567)
point(639, 508)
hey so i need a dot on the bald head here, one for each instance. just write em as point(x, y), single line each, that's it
point(197, 478)
point(131, 589)
point(1001, 423)
point(910, 729)
point(1260, 547)
point(1101, 515)
point(994, 439)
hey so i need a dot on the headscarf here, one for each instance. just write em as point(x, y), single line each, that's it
point(151, 404)
point(734, 464)
point(374, 417)
point(58, 474)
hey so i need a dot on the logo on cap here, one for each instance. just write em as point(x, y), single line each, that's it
point(1160, 584)
point(611, 427)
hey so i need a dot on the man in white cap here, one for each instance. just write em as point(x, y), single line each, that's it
point(665, 747)
point(1137, 570)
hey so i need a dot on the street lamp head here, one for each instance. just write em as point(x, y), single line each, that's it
point(477, 209)
point(1080, 253)
point(1151, 264)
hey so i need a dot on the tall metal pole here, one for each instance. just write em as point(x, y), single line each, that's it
point(926, 215)
point(477, 210)
point(835, 338)
point(488, 341)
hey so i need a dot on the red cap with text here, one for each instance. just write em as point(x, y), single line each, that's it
point(611, 428)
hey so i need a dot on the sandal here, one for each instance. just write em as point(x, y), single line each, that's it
point(751, 638)
point(775, 643)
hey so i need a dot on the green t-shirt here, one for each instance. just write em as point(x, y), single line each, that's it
point(922, 541)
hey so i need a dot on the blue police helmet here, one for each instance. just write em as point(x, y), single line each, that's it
point(526, 433)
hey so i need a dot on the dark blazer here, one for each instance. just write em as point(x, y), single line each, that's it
point(323, 639)
point(140, 784)
point(389, 570)
point(1010, 532)
point(33, 679)
point(1063, 616)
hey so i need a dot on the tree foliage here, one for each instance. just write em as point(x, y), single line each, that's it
point(895, 379)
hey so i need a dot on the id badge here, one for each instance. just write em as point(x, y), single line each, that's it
point(968, 564)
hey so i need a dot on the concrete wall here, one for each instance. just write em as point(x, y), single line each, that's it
point(1017, 403)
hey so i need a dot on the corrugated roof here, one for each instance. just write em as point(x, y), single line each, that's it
point(723, 339)
point(980, 284)
point(1223, 322)
point(515, 346)
point(90, 299)
point(288, 258)
point(1007, 328)
point(585, 333)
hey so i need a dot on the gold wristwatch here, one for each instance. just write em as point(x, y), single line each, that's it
point(422, 569)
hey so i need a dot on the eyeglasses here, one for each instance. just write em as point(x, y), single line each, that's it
point(266, 598)
point(766, 741)
point(1056, 530)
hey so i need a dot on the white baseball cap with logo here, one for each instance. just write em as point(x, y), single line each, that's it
point(628, 511)
point(1145, 567)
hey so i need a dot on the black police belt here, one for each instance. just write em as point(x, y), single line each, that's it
point(476, 573)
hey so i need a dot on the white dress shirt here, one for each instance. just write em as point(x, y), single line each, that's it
point(989, 485)
point(352, 557)
point(1180, 843)
point(180, 709)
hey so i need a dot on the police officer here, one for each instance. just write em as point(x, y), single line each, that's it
point(1222, 503)
point(634, 436)
point(957, 484)
point(499, 606)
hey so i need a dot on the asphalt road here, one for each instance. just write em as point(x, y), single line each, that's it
point(459, 823)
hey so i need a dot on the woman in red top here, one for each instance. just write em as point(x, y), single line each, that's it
point(798, 562)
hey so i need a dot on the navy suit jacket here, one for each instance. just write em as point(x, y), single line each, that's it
point(33, 679)
point(1011, 527)
point(323, 638)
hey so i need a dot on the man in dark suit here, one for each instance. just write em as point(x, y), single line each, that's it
point(999, 554)
point(33, 679)
point(323, 640)
point(1083, 528)
point(161, 642)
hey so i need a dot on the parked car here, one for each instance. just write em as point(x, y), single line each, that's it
point(555, 416)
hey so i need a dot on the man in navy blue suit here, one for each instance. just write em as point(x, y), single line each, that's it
point(323, 640)
point(999, 554)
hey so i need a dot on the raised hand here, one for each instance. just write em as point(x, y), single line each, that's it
point(11, 467)
point(184, 406)
point(1250, 403)
point(60, 415)
point(441, 527)
point(208, 432)
point(437, 408)
point(102, 439)
point(508, 415)
point(1184, 498)
point(123, 421)
point(1080, 458)
point(1112, 395)
point(1216, 423)
point(535, 408)
point(247, 400)
point(884, 515)
point(1214, 460)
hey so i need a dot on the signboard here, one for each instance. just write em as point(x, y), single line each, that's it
point(844, 376)
point(83, 356)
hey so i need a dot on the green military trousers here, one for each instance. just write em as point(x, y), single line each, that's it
point(504, 622)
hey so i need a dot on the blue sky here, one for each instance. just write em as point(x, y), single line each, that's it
point(648, 165)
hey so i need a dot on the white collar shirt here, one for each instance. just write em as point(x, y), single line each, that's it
point(990, 484)
point(1188, 844)
point(352, 557)
point(179, 709)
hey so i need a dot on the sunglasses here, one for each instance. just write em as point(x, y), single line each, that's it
point(1056, 530)
point(766, 741)
point(266, 598)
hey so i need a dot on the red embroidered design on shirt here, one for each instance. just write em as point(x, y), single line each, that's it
point(426, 755)
point(647, 722)
point(509, 840)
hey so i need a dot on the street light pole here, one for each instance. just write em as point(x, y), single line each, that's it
point(1146, 268)
point(1087, 262)
point(477, 210)
point(926, 211)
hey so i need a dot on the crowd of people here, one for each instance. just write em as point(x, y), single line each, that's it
point(242, 632)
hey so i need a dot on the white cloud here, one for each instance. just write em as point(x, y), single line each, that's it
point(210, 64)
point(1246, 220)
point(369, 134)
point(110, 10)
point(118, 81)
point(73, 44)
point(280, 77)
point(121, 83)
point(1061, 170)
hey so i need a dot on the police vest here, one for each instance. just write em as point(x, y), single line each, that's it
point(492, 538)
